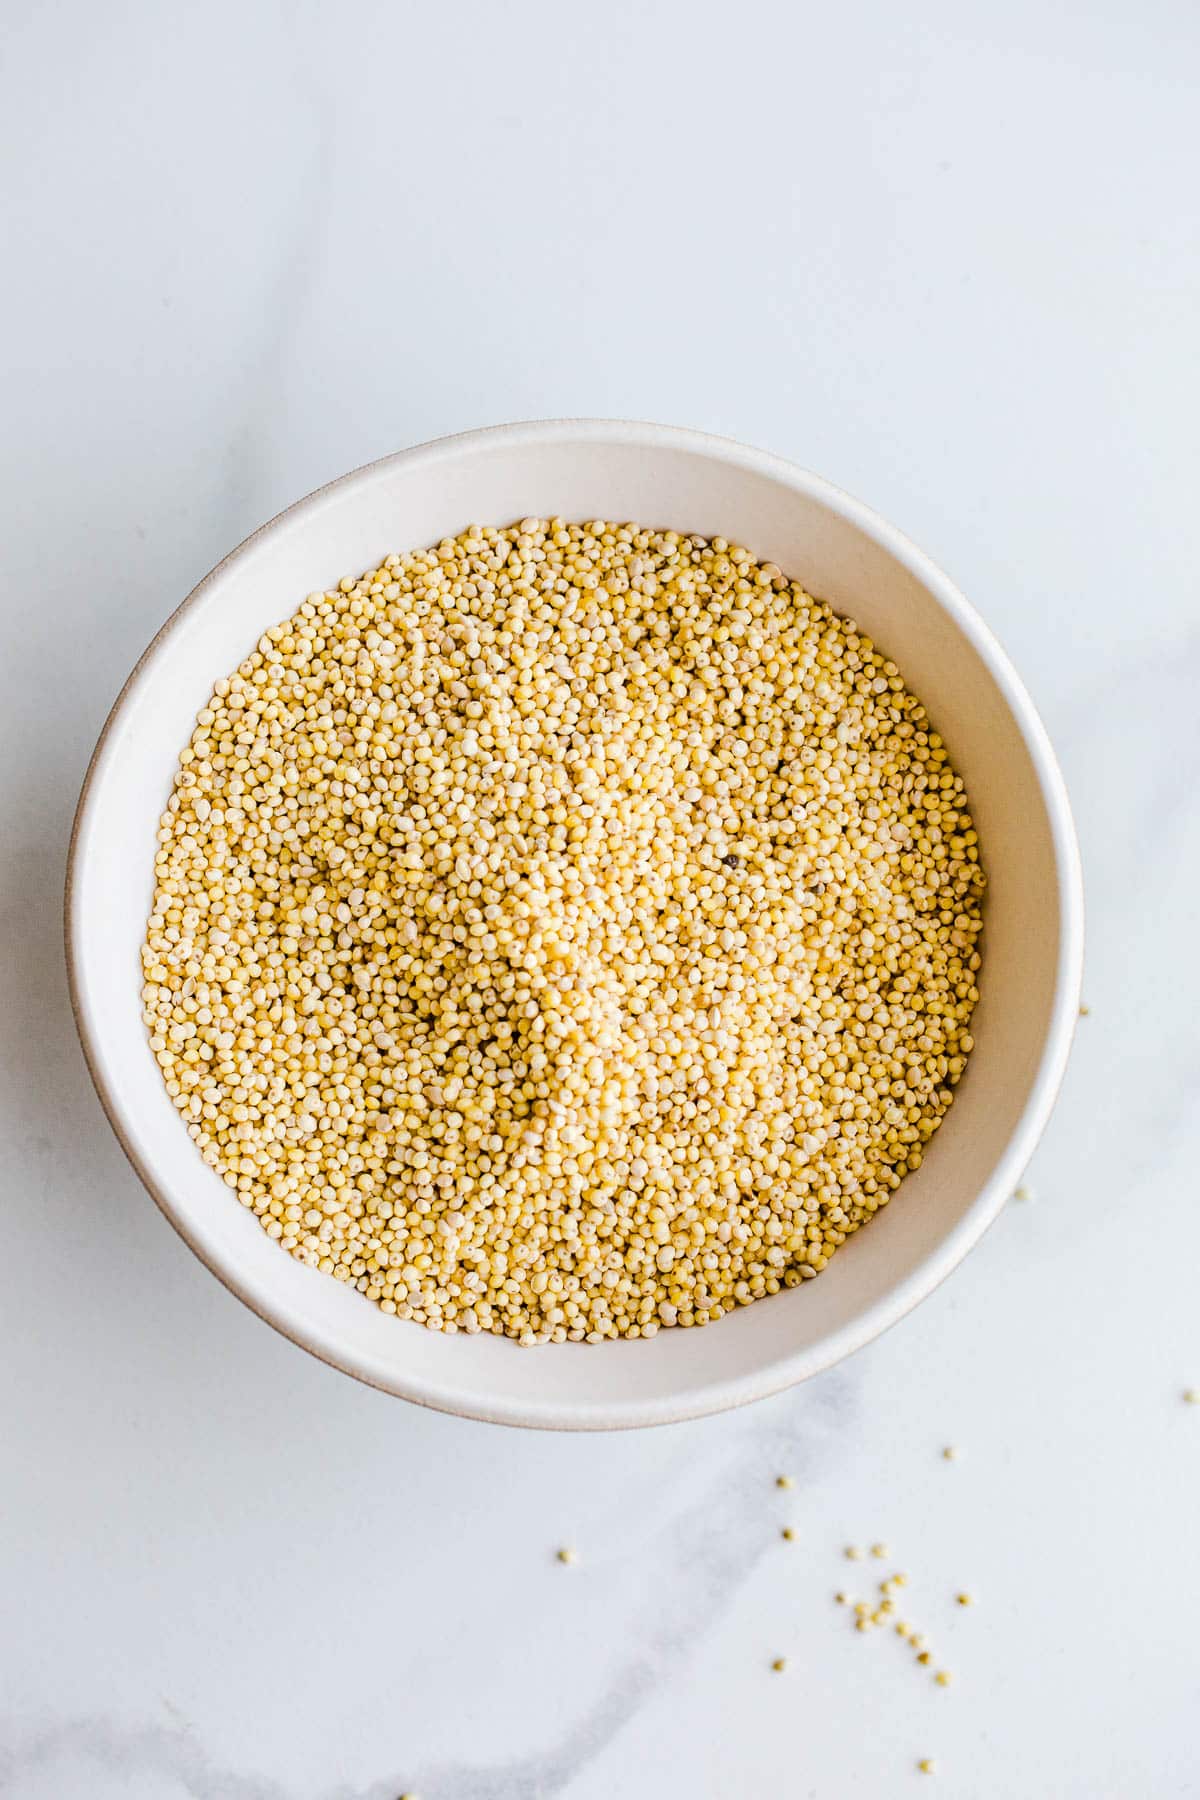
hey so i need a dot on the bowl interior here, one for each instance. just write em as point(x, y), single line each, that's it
point(839, 552)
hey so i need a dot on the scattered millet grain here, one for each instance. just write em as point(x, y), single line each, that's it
point(1084, 1012)
point(1023, 1193)
point(879, 1549)
point(951, 1453)
point(779, 1665)
point(567, 1555)
point(787, 1534)
point(784, 1481)
point(868, 1615)
point(853, 1553)
point(926, 1765)
point(1192, 1396)
point(565, 931)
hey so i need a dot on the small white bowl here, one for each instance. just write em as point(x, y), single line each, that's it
point(584, 469)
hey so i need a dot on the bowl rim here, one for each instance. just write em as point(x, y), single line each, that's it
point(907, 1293)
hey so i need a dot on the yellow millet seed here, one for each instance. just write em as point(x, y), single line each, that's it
point(565, 931)
point(784, 1481)
point(926, 1765)
point(879, 1550)
point(787, 1534)
point(567, 1555)
point(853, 1553)
point(943, 1678)
point(964, 1599)
point(779, 1665)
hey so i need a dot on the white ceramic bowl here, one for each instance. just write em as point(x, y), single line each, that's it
point(841, 552)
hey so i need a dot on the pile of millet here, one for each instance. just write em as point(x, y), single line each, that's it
point(565, 932)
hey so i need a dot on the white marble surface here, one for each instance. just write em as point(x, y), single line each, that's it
point(953, 265)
